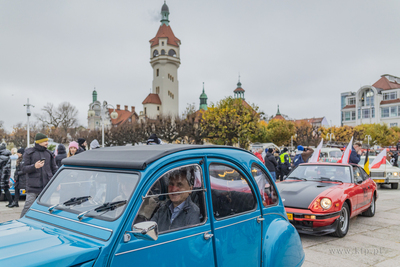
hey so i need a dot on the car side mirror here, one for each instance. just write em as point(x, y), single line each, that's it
point(359, 180)
point(143, 230)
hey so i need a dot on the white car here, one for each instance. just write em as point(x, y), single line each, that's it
point(385, 174)
point(330, 154)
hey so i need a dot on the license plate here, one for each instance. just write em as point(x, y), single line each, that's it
point(379, 180)
point(290, 216)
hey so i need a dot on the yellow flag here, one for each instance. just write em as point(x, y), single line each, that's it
point(366, 164)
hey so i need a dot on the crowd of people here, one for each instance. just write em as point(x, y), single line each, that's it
point(34, 167)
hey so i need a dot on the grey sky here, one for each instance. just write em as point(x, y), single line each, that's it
point(298, 54)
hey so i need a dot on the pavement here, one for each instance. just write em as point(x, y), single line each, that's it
point(371, 241)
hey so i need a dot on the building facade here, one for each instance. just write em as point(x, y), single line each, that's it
point(377, 103)
point(165, 61)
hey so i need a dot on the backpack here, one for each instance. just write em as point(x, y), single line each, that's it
point(297, 160)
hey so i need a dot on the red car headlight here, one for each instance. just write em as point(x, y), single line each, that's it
point(326, 203)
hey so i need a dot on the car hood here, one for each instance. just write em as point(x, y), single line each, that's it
point(22, 245)
point(300, 194)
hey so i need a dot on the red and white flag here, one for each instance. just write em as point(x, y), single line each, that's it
point(346, 155)
point(315, 156)
point(379, 160)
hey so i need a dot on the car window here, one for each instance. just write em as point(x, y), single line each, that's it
point(230, 191)
point(364, 175)
point(324, 155)
point(100, 186)
point(357, 174)
point(176, 200)
point(335, 154)
point(265, 186)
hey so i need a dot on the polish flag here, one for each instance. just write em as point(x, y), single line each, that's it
point(379, 160)
point(316, 154)
point(346, 155)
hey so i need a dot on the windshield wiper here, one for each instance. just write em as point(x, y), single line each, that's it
point(72, 202)
point(327, 179)
point(105, 207)
point(295, 178)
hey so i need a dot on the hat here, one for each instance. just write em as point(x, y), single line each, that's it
point(94, 144)
point(153, 139)
point(284, 150)
point(270, 150)
point(40, 138)
point(21, 150)
point(300, 148)
point(81, 141)
point(73, 144)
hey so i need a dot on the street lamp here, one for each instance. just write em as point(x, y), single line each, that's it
point(368, 138)
point(291, 141)
point(28, 114)
point(103, 107)
point(330, 135)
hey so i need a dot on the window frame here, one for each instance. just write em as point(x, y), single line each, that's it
point(269, 179)
point(214, 162)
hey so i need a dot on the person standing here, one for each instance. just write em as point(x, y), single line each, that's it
point(73, 149)
point(258, 153)
point(270, 163)
point(82, 145)
point(284, 163)
point(40, 166)
point(61, 154)
point(355, 154)
point(5, 172)
point(302, 155)
point(94, 144)
point(19, 178)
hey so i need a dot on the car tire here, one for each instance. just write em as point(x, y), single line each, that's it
point(395, 185)
point(343, 221)
point(370, 212)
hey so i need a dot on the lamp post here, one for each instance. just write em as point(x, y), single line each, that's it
point(291, 141)
point(330, 135)
point(28, 114)
point(103, 107)
point(368, 138)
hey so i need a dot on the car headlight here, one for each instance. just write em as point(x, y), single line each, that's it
point(395, 173)
point(326, 203)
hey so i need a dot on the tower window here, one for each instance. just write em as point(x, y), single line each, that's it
point(158, 72)
point(145, 111)
point(163, 52)
point(162, 43)
point(158, 107)
point(172, 53)
point(155, 53)
point(158, 90)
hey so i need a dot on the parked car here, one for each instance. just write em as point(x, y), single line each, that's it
point(330, 154)
point(385, 174)
point(320, 198)
point(112, 207)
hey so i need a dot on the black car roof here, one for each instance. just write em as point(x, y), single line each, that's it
point(130, 157)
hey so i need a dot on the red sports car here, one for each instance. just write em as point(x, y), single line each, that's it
point(320, 198)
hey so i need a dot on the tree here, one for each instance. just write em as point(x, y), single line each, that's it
point(19, 134)
point(3, 133)
point(280, 131)
point(307, 134)
point(230, 121)
point(261, 135)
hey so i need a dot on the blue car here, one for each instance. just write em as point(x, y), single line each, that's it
point(162, 205)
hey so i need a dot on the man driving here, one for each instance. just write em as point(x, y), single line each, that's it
point(179, 210)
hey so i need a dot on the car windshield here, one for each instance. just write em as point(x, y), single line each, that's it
point(335, 154)
point(322, 172)
point(79, 191)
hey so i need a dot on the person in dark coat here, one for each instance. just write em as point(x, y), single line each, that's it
point(355, 154)
point(19, 178)
point(40, 166)
point(270, 162)
point(61, 154)
point(5, 172)
point(82, 146)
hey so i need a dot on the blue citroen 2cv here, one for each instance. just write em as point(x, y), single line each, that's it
point(164, 205)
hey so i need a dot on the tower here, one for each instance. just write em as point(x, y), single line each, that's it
point(239, 91)
point(165, 61)
point(203, 100)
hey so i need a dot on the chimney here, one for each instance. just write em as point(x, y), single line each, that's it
point(126, 107)
point(133, 109)
point(118, 107)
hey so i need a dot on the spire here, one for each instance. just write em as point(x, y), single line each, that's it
point(203, 100)
point(94, 95)
point(164, 14)
point(278, 112)
point(239, 91)
point(239, 84)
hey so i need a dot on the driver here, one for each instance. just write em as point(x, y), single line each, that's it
point(179, 210)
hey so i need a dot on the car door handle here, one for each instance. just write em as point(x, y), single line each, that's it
point(207, 236)
point(260, 219)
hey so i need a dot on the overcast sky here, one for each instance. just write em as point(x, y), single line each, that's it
point(298, 54)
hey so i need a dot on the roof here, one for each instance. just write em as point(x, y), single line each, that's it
point(390, 101)
point(239, 89)
point(152, 99)
point(123, 116)
point(385, 84)
point(312, 120)
point(131, 157)
point(165, 31)
point(278, 117)
point(349, 106)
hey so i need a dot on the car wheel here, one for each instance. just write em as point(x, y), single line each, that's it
point(370, 212)
point(395, 185)
point(343, 221)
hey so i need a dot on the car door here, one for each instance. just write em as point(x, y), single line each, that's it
point(360, 188)
point(236, 215)
point(367, 184)
point(177, 245)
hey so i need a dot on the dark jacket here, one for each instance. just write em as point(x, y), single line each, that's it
point(354, 157)
point(19, 176)
point(5, 166)
point(80, 150)
point(270, 162)
point(61, 154)
point(37, 179)
point(189, 215)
